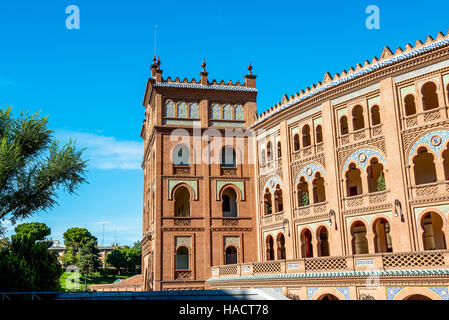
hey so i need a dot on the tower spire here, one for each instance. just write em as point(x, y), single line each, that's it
point(155, 35)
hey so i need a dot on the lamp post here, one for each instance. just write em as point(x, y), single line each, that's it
point(332, 214)
point(397, 204)
point(285, 221)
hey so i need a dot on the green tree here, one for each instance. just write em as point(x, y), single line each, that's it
point(125, 258)
point(75, 238)
point(33, 230)
point(89, 261)
point(33, 165)
point(381, 183)
point(27, 265)
point(305, 199)
point(137, 245)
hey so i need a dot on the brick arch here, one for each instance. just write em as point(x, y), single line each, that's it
point(444, 229)
point(424, 140)
point(318, 294)
point(369, 153)
point(237, 190)
point(276, 179)
point(407, 292)
point(316, 167)
point(192, 192)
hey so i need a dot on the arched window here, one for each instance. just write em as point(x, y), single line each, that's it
point(375, 115)
point(182, 258)
point(353, 181)
point(281, 247)
point(182, 110)
point(238, 112)
point(306, 244)
point(358, 122)
point(376, 177)
point(227, 112)
point(382, 238)
point(296, 142)
point(229, 203)
point(279, 150)
point(270, 250)
point(446, 162)
point(319, 133)
point(228, 157)
point(182, 202)
point(344, 125)
point(269, 151)
point(267, 202)
point(194, 111)
point(231, 255)
point(306, 141)
point(216, 112)
point(359, 240)
point(319, 194)
point(424, 167)
point(323, 242)
point(262, 155)
point(430, 96)
point(433, 235)
point(169, 109)
point(409, 105)
point(181, 155)
point(278, 200)
point(303, 192)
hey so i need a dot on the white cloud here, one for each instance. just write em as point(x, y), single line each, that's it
point(106, 152)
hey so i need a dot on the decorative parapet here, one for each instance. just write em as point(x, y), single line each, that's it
point(430, 263)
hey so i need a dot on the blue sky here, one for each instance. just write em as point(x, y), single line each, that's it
point(91, 81)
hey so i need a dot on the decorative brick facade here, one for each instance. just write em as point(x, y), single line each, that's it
point(350, 181)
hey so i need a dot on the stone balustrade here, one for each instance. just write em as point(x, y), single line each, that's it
point(430, 189)
point(435, 259)
point(366, 200)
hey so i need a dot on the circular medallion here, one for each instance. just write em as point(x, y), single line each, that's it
point(309, 171)
point(435, 140)
point(362, 157)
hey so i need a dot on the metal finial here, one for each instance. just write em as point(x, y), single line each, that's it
point(250, 68)
point(158, 62)
point(204, 65)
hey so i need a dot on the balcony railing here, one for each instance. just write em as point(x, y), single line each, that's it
point(273, 218)
point(372, 262)
point(315, 208)
point(430, 189)
point(366, 199)
point(181, 170)
point(228, 171)
point(361, 134)
point(424, 117)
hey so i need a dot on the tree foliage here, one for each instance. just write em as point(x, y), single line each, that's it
point(33, 230)
point(33, 165)
point(381, 183)
point(88, 261)
point(305, 199)
point(27, 265)
point(125, 258)
point(75, 238)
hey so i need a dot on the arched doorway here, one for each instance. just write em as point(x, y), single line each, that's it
point(376, 177)
point(319, 194)
point(358, 121)
point(268, 208)
point(359, 240)
point(306, 141)
point(278, 199)
point(433, 235)
point(182, 202)
point(344, 125)
point(328, 296)
point(229, 203)
point(306, 239)
point(409, 105)
point(231, 255)
point(353, 181)
point(303, 192)
point(382, 238)
point(323, 242)
point(182, 258)
point(269, 248)
point(417, 297)
point(424, 167)
point(281, 247)
point(430, 96)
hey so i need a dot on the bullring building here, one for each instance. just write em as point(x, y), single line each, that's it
point(339, 191)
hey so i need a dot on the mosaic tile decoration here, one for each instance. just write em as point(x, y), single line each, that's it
point(342, 112)
point(227, 124)
point(181, 122)
point(317, 121)
point(303, 115)
point(219, 184)
point(374, 101)
point(344, 291)
point(422, 71)
point(361, 72)
point(216, 111)
point(443, 208)
point(368, 154)
point(408, 89)
point(231, 241)
point(239, 112)
point(446, 79)
point(393, 291)
point(182, 110)
point(172, 183)
point(441, 291)
point(227, 112)
point(429, 141)
point(271, 184)
point(169, 109)
point(368, 218)
point(187, 241)
point(203, 87)
point(311, 291)
point(193, 111)
point(312, 226)
point(314, 167)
